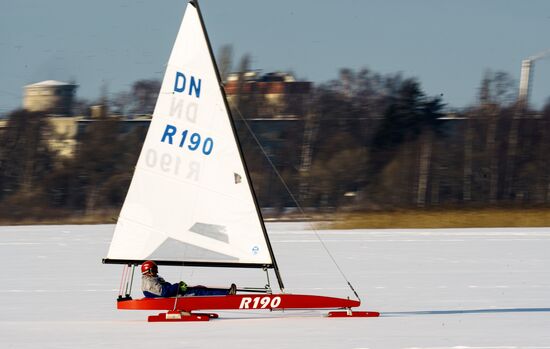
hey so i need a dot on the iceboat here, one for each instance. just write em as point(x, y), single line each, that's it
point(191, 202)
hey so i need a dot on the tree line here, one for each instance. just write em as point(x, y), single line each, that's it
point(380, 142)
point(363, 141)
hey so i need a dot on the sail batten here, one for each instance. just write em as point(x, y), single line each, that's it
point(190, 201)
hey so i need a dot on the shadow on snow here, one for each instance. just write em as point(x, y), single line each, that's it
point(466, 311)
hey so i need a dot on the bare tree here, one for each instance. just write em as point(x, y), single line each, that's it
point(468, 159)
point(145, 93)
point(121, 102)
point(497, 92)
point(25, 157)
point(225, 60)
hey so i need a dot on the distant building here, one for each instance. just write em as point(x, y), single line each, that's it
point(66, 132)
point(282, 108)
point(282, 97)
point(276, 108)
point(53, 97)
point(63, 137)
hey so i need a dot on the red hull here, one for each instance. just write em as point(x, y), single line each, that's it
point(244, 301)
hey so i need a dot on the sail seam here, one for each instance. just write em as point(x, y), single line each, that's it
point(145, 169)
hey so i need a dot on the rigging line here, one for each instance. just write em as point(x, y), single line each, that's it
point(129, 287)
point(127, 280)
point(178, 292)
point(294, 199)
point(176, 299)
point(122, 280)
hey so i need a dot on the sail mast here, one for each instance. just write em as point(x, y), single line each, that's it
point(231, 121)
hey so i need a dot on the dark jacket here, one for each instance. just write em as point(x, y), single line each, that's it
point(155, 286)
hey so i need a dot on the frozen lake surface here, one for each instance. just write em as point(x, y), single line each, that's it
point(448, 288)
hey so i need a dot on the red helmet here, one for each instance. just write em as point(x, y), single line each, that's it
point(149, 267)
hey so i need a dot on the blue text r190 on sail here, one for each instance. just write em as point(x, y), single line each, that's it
point(194, 142)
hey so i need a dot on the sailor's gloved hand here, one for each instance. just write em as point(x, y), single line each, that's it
point(183, 287)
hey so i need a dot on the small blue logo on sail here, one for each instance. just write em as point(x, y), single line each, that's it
point(255, 250)
point(191, 85)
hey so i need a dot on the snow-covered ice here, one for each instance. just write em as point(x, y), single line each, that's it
point(448, 288)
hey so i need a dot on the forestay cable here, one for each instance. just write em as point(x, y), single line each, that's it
point(294, 200)
point(123, 280)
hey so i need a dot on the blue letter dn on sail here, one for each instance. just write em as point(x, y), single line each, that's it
point(180, 85)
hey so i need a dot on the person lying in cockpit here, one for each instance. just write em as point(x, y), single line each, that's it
point(153, 286)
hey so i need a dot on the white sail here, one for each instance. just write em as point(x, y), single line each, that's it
point(190, 199)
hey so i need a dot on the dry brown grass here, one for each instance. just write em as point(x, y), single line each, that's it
point(451, 218)
point(102, 217)
point(471, 218)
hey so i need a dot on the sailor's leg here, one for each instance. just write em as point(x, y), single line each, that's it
point(205, 291)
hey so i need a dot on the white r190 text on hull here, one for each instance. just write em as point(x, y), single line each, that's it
point(259, 302)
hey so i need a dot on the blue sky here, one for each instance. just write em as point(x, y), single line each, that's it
point(447, 45)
